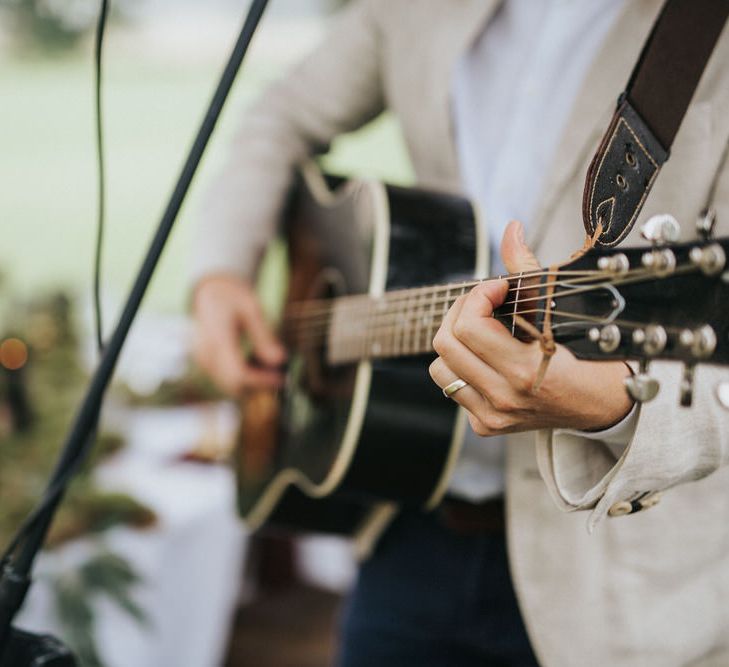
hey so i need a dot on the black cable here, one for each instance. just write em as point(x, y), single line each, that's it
point(14, 577)
point(53, 491)
point(100, 32)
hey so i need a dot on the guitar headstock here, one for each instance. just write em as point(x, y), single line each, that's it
point(667, 301)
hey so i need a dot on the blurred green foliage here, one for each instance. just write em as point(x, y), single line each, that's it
point(55, 381)
point(50, 25)
point(103, 574)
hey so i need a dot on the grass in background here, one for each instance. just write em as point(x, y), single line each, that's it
point(48, 177)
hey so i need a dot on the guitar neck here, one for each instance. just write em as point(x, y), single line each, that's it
point(645, 304)
point(397, 324)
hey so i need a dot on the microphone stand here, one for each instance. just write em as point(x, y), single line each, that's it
point(15, 577)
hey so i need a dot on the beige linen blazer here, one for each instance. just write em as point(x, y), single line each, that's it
point(645, 590)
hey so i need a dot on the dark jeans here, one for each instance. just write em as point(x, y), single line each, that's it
point(428, 597)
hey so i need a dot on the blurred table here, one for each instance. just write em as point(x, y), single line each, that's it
point(191, 562)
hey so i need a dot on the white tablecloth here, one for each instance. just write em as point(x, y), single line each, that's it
point(191, 562)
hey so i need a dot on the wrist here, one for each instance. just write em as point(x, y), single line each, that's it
point(617, 403)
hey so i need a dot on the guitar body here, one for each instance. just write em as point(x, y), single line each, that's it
point(342, 442)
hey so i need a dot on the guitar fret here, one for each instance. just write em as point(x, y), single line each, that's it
point(399, 323)
point(369, 341)
point(425, 323)
point(406, 324)
point(421, 323)
point(392, 320)
point(433, 324)
point(415, 326)
point(446, 304)
point(516, 304)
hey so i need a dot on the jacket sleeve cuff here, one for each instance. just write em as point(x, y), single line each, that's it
point(669, 446)
point(617, 437)
point(576, 470)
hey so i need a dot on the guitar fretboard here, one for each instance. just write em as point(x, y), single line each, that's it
point(400, 323)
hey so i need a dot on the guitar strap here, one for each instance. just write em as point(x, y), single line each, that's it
point(649, 112)
point(639, 137)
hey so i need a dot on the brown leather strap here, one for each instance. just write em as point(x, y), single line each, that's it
point(649, 113)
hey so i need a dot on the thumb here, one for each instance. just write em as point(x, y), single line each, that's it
point(516, 255)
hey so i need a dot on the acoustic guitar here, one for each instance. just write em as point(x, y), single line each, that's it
point(359, 427)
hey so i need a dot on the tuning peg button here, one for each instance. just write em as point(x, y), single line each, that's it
point(655, 339)
point(704, 342)
point(711, 259)
point(661, 229)
point(638, 337)
point(617, 264)
point(662, 262)
point(609, 338)
point(642, 387)
point(705, 223)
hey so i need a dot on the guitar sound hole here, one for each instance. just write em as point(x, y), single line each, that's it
point(322, 381)
point(317, 395)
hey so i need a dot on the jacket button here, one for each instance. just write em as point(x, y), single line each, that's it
point(620, 508)
point(623, 507)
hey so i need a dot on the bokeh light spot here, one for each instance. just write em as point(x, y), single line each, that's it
point(13, 353)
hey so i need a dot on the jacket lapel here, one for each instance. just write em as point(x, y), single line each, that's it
point(593, 108)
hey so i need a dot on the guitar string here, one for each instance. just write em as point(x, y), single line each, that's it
point(638, 275)
point(384, 308)
point(415, 333)
point(404, 292)
point(398, 296)
point(376, 315)
point(384, 352)
point(394, 347)
point(573, 318)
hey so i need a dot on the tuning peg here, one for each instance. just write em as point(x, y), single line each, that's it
point(641, 387)
point(686, 389)
point(608, 338)
point(661, 229)
point(711, 259)
point(705, 223)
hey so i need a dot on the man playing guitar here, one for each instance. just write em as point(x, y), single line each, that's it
point(506, 101)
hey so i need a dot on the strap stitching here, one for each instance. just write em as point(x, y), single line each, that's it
point(639, 206)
